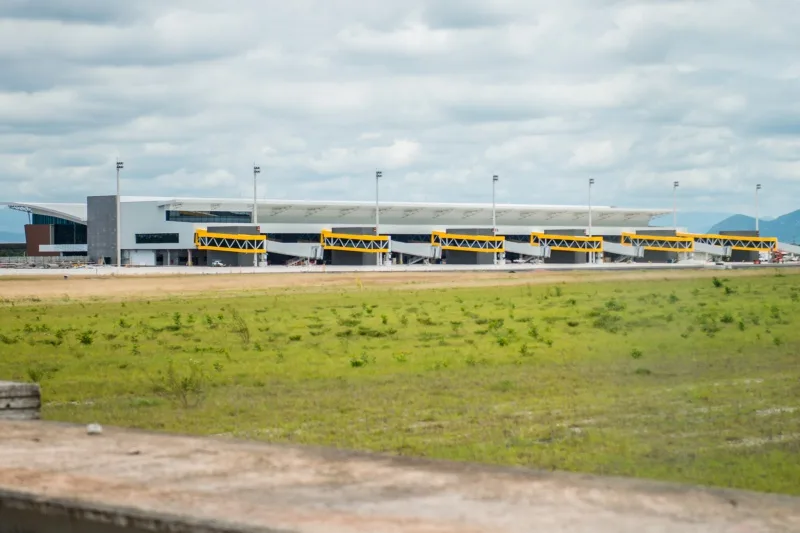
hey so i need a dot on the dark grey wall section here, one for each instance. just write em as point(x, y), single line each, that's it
point(101, 222)
point(567, 258)
point(342, 258)
point(231, 258)
point(14, 521)
point(654, 256)
point(742, 256)
point(455, 257)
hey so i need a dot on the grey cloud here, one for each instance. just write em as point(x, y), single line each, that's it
point(441, 95)
point(70, 11)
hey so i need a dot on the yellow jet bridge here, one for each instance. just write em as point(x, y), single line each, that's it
point(659, 243)
point(347, 242)
point(735, 242)
point(230, 242)
point(468, 243)
point(567, 243)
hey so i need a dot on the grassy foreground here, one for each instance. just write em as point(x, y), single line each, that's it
point(691, 380)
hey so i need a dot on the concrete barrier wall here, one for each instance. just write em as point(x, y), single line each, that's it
point(28, 513)
point(19, 401)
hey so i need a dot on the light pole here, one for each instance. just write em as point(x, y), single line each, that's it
point(675, 186)
point(378, 176)
point(758, 188)
point(256, 172)
point(495, 179)
point(120, 165)
point(591, 182)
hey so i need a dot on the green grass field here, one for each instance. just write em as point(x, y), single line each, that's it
point(691, 380)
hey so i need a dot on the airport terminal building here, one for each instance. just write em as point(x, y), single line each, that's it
point(161, 231)
point(164, 231)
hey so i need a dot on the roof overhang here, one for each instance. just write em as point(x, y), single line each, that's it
point(288, 211)
point(73, 212)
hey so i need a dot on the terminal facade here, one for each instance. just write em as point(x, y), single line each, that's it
point(217, 231)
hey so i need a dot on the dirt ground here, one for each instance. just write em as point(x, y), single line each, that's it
point(105, 287)
point(210, 484)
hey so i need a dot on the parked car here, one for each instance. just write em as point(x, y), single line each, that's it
point(217, 264)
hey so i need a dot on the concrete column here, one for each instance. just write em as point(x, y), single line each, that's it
point(169, 260)
point(189, 260)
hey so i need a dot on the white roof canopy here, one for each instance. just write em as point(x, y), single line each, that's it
point(72, 212)
point(402, 213)
point(331, 213)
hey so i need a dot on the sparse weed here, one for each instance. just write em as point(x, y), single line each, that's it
point(188, 388)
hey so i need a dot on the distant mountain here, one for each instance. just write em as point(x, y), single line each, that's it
point(693, 221)
point(7, 236)
point(786, 227)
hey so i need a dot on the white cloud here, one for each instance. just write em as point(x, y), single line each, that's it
point(438, 95)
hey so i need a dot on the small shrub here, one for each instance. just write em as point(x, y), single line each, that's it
point(636, 353)
point(741, 325)
point(440, 364)
point(35, 374)
point(615, 305)
point(717, 282)
point(86, 337)
point(384, 319)
point(369, 332)
point(503, 386)
point(426, 321)
point(401, 357)
point(502, 341)
point(673, 298)
point(176, 321)
point(187, 388)
point(607, 322)
point(404, 320)
point(524, 351)
point(777, 341)
point(362, 360)
point(295, 338)
point(5, 339)
point(726, 318)
point(729, 291)
point(573, 323)
point(240, 327)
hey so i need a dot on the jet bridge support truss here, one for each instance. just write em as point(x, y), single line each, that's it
point(229, 242)
point(567, 243)
point(659, 243)
point(468, 243)
point(347, 242)
point(735, 242)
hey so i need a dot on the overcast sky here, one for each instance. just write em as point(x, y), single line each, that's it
point(439, 95)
